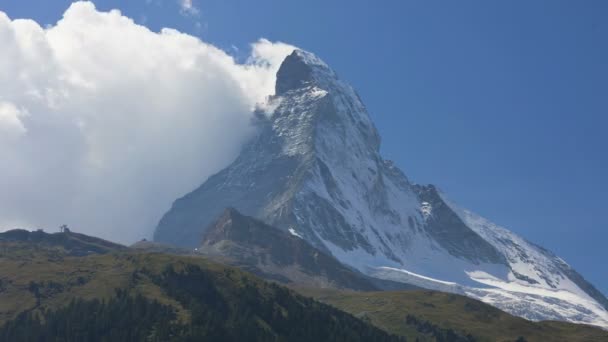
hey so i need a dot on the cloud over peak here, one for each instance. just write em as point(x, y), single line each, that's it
point(103, 123)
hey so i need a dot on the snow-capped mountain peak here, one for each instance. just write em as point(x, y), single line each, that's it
point(309, 93)
point(315, 169)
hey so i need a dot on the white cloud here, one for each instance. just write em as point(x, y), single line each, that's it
point(110, 122)
point(11, 126)
point(188, 8)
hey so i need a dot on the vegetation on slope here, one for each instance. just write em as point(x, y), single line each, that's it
point(49, 296)
point(54, 287)
point(412, 313)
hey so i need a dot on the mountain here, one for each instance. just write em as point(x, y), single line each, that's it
point(277, 255)
point(273, 253)
point(127, 294)
point(314, 169)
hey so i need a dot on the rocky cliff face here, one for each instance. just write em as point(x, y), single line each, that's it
point(275, 254)
point(315, 171)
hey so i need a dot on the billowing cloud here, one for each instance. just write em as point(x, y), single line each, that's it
point(103, 123)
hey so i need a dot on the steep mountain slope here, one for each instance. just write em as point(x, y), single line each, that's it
point(278, 255)
point(315, 170)
point(272, 253)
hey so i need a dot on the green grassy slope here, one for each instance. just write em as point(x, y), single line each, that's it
point(390, 311)
point(208, 301)
point(42, 276)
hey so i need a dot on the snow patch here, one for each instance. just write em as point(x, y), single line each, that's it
point(426, 209)
point(295, 233)
point(418, 276)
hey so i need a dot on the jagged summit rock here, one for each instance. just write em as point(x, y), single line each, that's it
point(297, 71)
point(314, 169)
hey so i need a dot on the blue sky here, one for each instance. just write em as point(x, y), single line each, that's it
point(503, 105)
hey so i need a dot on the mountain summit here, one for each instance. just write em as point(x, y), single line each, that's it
point(314, 170)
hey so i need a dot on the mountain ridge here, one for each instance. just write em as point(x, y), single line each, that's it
point(275, 254)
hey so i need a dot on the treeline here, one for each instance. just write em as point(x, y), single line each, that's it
point(243, 309)
point(248, 310)
point(121, 318)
